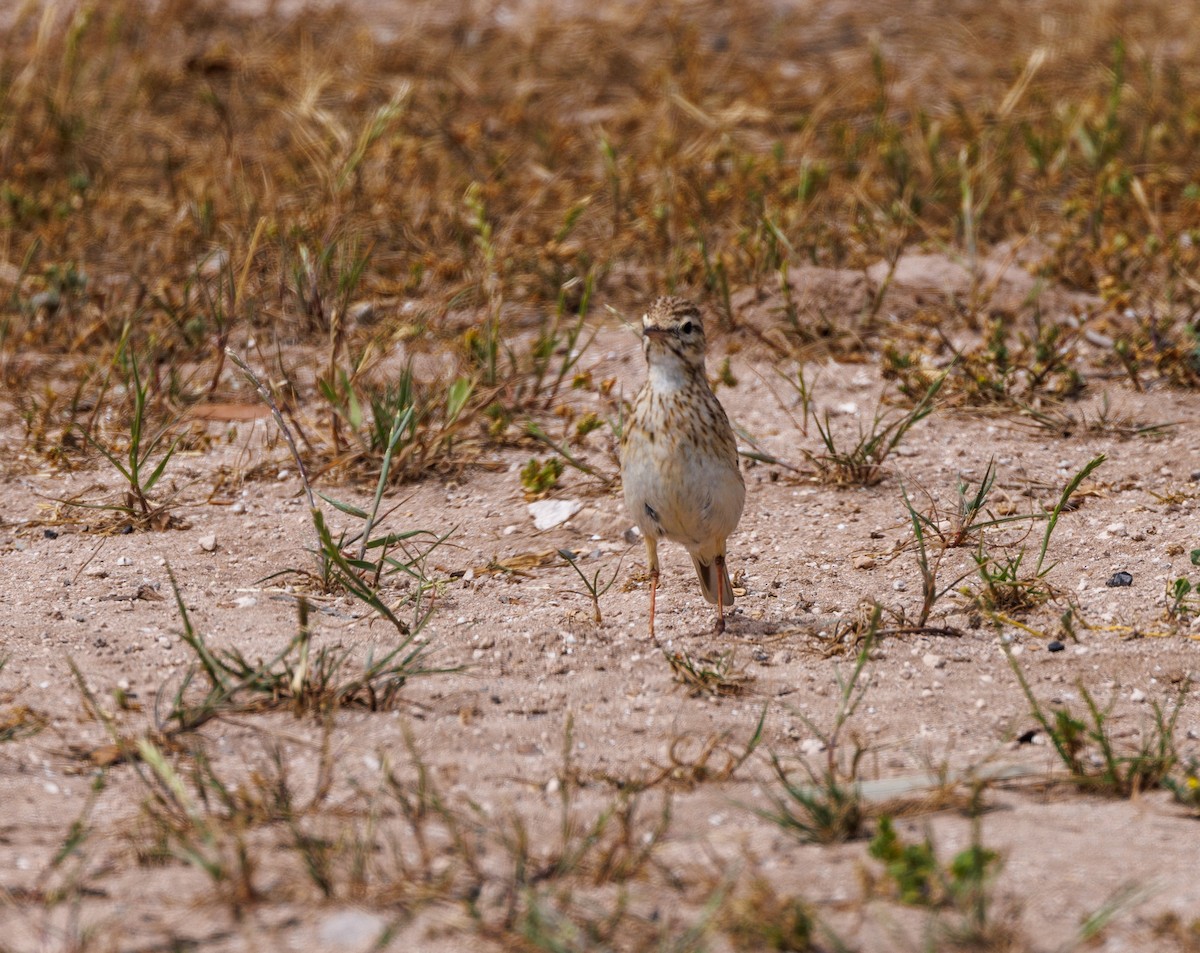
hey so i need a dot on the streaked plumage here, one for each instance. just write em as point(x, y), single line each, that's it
point(679, 459)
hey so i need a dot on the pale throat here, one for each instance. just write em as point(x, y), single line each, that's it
point(667, 372)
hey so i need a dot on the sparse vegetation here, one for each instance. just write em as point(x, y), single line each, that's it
point(960, 892)
point(1006, 588)
point(1093, 757)
point(415, 240)
point(862, 463)
point(716, 675)
point(592, 586)
point(830, 807)
point(297, 678)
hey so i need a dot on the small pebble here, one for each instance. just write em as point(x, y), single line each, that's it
point(1137, 695)
point(934, 661)
point(351, 930)
point(124, 561)
point(208, 543)
point(49, 534)
point(864, 562)
point(1055, 646)
point(899, 585)
point(1120, 579)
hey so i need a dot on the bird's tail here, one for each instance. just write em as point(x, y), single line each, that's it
point(713, 574)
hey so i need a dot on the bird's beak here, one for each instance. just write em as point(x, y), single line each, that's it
point(653, 332)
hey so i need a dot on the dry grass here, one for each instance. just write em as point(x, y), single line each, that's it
point(216, 175)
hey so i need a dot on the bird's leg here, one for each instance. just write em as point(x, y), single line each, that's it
point(720, 574)
point(652, 552)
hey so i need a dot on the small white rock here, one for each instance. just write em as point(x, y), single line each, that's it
point(1137, 695)
point(811, 746)
point(351, 930)
point(550, 513)
point(899, 585)
point(124, 561)
point(932, 660)
point(208, 543)
point(245, 602)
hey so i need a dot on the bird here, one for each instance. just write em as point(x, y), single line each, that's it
point(679, 459)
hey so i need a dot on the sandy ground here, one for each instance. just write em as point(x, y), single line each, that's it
point(531, 662)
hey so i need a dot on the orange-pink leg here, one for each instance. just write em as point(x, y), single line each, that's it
point(652, 553)
point(720, 574)
point(653, 592)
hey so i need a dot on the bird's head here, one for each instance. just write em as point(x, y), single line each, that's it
point(673, 333)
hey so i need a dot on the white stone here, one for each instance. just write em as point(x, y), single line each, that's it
point(351, 930)
point(550, 513)
point(208, 543)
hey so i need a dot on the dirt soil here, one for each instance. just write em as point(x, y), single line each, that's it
point(533, 672)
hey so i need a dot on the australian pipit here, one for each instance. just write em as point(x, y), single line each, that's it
point(679, 460)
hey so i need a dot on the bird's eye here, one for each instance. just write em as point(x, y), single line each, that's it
point(687, 327)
